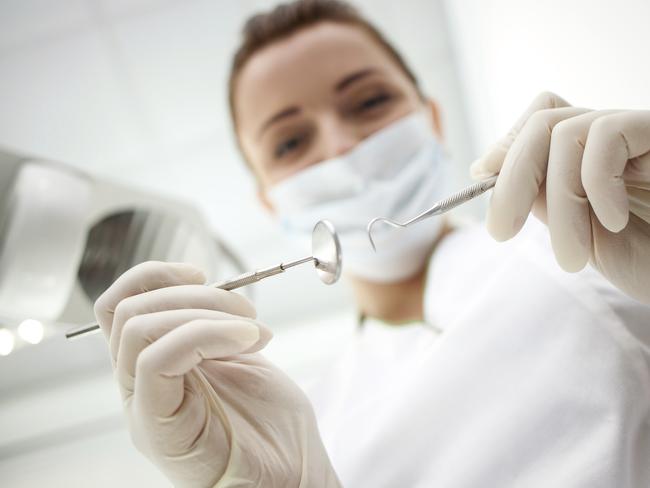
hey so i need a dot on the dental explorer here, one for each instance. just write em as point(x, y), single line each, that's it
point(440, 207)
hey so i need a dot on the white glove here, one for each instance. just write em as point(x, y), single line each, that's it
point(586, 174)
point(199, 402)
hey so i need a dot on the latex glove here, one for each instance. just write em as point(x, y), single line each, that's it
point(587, 175)
point(200, 403)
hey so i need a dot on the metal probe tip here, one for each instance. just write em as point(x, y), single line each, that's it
point(385, 221)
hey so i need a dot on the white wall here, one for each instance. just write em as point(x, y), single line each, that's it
point(594, 53)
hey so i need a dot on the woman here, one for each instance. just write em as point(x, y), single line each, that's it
point(539, 377)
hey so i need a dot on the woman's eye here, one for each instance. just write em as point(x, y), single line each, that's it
point(288, 145)
point(372, 102)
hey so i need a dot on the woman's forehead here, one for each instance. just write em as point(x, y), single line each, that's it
point(305, 66)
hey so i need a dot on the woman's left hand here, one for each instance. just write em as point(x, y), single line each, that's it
point(586, 174)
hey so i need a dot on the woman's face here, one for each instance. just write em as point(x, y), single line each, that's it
point(316, 95)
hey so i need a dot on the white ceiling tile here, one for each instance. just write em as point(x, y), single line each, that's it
point(119, 8)
point(28, 21)
point(178, 59)
point(125, 8)
point(61, 100)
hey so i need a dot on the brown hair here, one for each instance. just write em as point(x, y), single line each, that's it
point(285, 19)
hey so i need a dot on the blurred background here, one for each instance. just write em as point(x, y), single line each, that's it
point(128, 99)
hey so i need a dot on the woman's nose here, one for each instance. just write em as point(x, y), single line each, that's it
point(338, 139)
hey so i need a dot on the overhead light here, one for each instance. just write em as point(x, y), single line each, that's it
point(6, 342)
point(31, 330)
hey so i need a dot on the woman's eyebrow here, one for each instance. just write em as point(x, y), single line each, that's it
point(287, 112)
point(353, 78)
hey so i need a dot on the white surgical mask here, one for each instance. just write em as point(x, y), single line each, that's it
point(396, 173)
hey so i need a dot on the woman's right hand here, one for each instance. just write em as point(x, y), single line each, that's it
point(201, 403)
point(586, 174)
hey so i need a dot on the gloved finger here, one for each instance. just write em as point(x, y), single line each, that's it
point(177, 297)
point(490, 163)
point(523, 171)
point(139, 279)
point(539, 209)
point(613, 141)
point(625, 270)
point(569, 220)
point(160, 367)
point(140, 331)
point(638, 190)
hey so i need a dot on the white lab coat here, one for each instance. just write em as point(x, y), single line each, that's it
point(539, 378)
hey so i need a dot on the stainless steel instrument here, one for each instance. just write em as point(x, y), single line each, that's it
point(326, 256)
point(440, 207)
